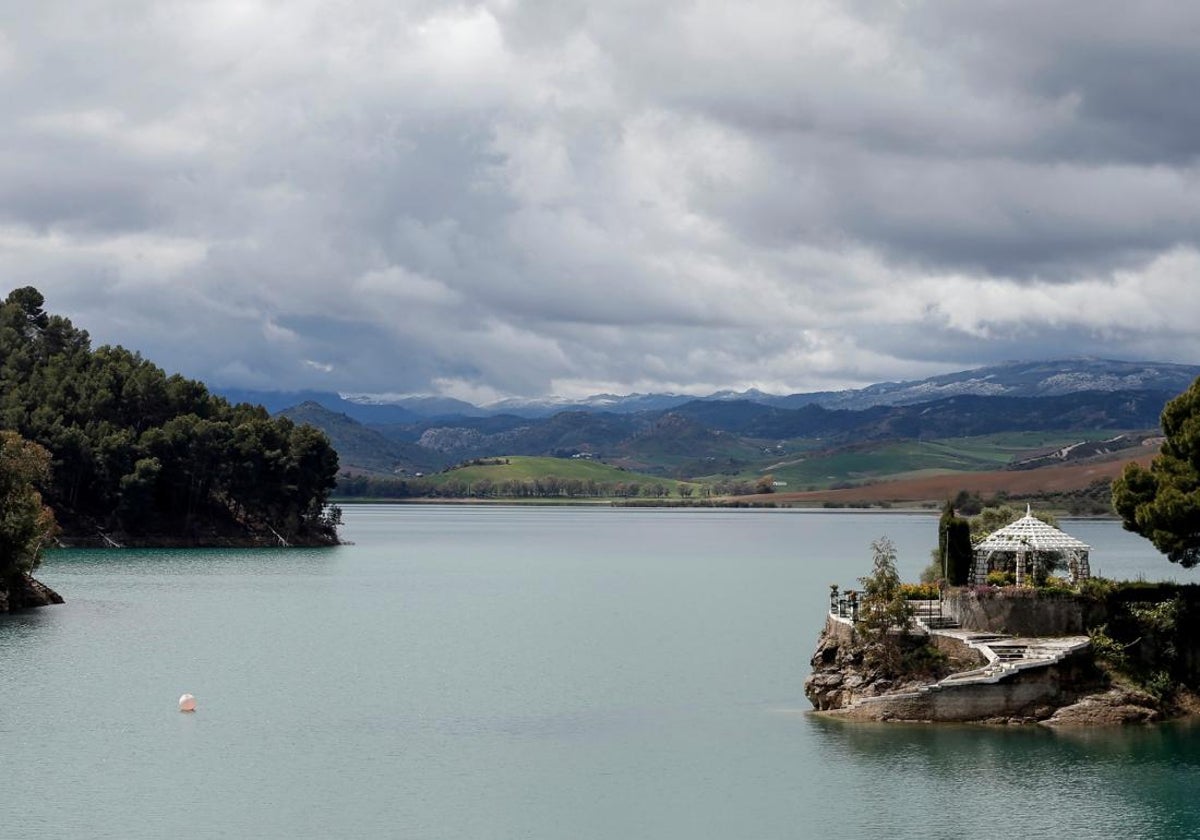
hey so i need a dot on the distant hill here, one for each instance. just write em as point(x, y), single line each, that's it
point(1018, 379)
point(563, 434)
point(817, 439)
point(360, 448)
point(363, 408)
point(277, 401)
point(677, 445)
point(704, 438)
point(960, 416)
point(606, 403)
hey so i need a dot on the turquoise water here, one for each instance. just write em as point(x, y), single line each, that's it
point(523, 673)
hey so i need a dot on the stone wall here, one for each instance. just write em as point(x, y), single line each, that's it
point(957, 650)
point(1023, 697)
point(1026, 612)
point(1022, 613)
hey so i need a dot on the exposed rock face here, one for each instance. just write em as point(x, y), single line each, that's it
point(1115, 706)
point(1067, 694)
point(451, 439)
point(835, 671)
point(22, 591)
point(841, 674)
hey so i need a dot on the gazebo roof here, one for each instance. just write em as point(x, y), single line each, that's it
point(1031, 534)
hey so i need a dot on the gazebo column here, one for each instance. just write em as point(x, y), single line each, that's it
point(1020, 567)
point(979, 570)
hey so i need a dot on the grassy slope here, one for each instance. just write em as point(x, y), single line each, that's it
point(643, 457)
point(1016, 483)
point(948, 462)
point(910, 458)
point(527, 468)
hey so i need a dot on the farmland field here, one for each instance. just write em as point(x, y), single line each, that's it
point(926, 487)
point(527, 468)
point(913, 459)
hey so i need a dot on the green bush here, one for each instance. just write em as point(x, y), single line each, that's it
point(1055, 587)
point(1107, 649)
point(1161, 617)
point(1096, 587)
point(1160, 685)
point(1001, 578)
point(924, 659)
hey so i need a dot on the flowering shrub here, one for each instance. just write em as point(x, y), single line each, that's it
point(1027, 592)
point(919, 591)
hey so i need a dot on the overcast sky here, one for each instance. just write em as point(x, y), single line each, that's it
point(484, 199)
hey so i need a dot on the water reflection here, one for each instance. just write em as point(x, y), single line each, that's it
point(185, 561)
point(1111, 782)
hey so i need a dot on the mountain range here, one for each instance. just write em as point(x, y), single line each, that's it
point(1009, 379)
point(1049, 405)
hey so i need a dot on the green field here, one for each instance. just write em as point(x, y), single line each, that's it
point(788, 462)
point(523, 468)
point(899, 458)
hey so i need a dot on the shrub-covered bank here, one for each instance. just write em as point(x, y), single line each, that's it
point(140, 457)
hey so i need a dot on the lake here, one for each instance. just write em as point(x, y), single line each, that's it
point(525, 672)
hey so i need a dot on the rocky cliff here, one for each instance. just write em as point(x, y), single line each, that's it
point(1068, 691)
point(842, 674)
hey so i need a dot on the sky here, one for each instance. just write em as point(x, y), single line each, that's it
point(513, 198)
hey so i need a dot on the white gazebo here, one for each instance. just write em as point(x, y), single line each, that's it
point(1031, 536)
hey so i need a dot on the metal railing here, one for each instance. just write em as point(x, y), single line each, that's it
point(844, 604)
point(927, 609)
point(847, 604)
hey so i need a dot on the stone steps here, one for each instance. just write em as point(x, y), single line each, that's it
point(942, 622)
point(985, 638)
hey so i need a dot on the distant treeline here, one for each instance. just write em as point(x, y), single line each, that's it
point(141, 453)
point(544, 487)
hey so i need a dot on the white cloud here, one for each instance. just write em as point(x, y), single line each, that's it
point(514, 197)
point(460, 389)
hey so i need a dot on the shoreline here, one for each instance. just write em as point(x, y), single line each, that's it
point(117, 541)
point(907, 510)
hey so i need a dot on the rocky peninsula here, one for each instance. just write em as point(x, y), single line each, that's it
point(1114, 654)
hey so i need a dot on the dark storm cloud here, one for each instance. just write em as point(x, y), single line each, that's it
point(1123, 70)
point(506, 197)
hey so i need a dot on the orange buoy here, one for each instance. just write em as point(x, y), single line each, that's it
point(187, 703)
